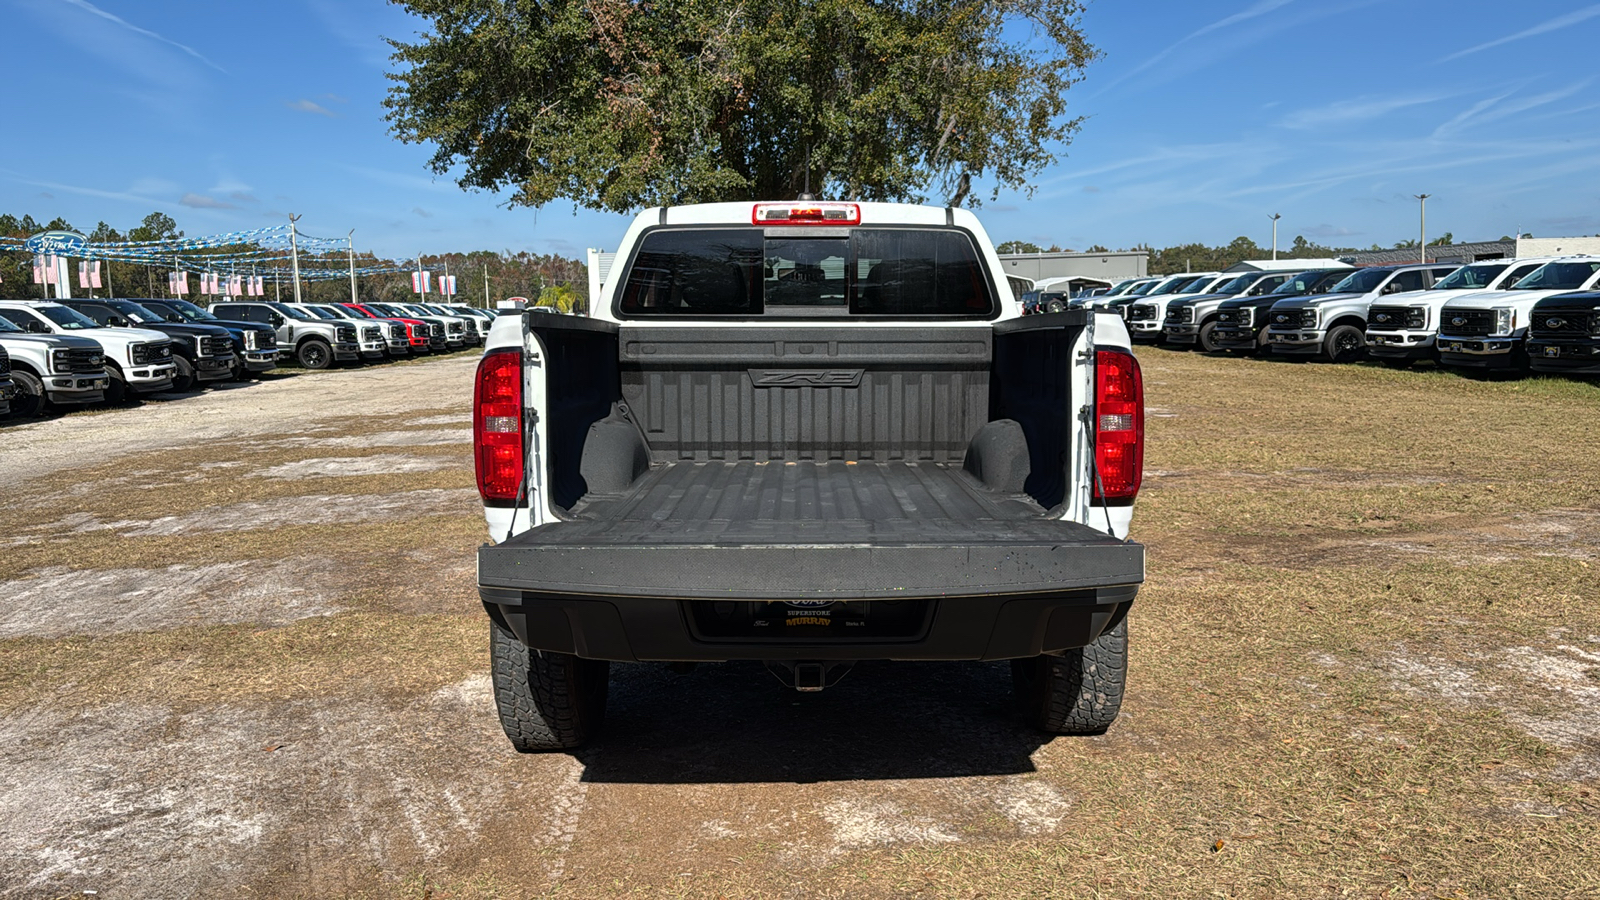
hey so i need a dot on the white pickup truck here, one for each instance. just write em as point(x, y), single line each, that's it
point(807, 433)
point(37, 370)
point(1488, 329)
point(1402, 331)
point(136, 360)
point(1148, 315)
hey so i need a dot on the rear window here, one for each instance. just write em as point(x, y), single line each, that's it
point(748, 272)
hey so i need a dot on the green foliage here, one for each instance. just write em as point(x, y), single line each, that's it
point(561, 297)
point(1019, 247)
point(618, 105)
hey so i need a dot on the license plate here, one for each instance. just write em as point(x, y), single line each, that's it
point(1552, 352)
point(102, 384)
point(1455, 346)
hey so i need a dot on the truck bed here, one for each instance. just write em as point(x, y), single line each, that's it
point(809, 530)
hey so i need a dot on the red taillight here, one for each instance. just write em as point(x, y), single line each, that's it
point(497, 426)
point(806, 213)
point(1119, 426)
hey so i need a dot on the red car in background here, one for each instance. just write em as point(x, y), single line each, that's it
point(420, 332)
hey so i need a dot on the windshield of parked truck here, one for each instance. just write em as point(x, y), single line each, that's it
point(1558, 276)
point(292, 312)
point(1470, 278)
point(69, 319)
point(134, 313)
point(183, 308)
point(1141, 290)
point(1168, 287)
point(1307, 282)
point(864, 272)
point(1237, 285)
point(1361, 281)
point(7, 328)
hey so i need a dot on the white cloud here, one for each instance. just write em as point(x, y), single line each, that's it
point(201, 201)
point(1360, 109)
point(308, 106)
point(1559, 22)
point(90, 8)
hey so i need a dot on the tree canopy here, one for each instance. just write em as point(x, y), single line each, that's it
point(621, 104)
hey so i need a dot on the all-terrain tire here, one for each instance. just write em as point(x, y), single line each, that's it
point(314, 354)
point(1078, 692)
point(547, 701)
point(30, 400)
point(1344, 343)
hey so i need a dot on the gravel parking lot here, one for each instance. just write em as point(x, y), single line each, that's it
point(243, 655)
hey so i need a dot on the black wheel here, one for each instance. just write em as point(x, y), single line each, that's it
point(1208, 337)
point(1055, 306)
point(183, 379)
point(1078, 692)
point(547, 701)
point(116, 387)
point(314, 354)
point(30, 400)
point(1344, 343)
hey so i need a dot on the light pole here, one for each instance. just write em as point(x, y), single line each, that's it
point(1275, 217)
point(1422, 233)
point(350, 249)
point(294, 254)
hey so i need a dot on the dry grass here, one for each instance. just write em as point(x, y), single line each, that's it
point(1359, 670)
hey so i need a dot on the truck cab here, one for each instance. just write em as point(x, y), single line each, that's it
point(1193, 320)
point(1486, 329)
point(1147, 315)
point(1400, 333)
point(255, 345)
point(136, 360)
point(202, 353)
point(38, 370)
point(314, 343)
point(1332, 326)
point(808, 434)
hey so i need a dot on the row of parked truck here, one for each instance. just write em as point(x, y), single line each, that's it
point(76, 352)
point(1505, 314)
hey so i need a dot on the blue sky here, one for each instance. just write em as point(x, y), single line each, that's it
point(1202, 119)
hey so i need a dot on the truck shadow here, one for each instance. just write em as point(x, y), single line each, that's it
point(735, 723)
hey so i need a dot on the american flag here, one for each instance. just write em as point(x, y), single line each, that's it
point(94, 274)
point(38, 270)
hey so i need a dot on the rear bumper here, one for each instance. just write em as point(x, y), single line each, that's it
point(640, 602)
point(630, 629)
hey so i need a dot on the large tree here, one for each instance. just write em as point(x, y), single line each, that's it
point(620, 104)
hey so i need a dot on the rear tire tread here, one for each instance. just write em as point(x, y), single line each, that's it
point(1079, 692)
point(546, 701)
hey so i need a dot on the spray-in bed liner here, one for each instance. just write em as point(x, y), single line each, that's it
point(809, 530)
